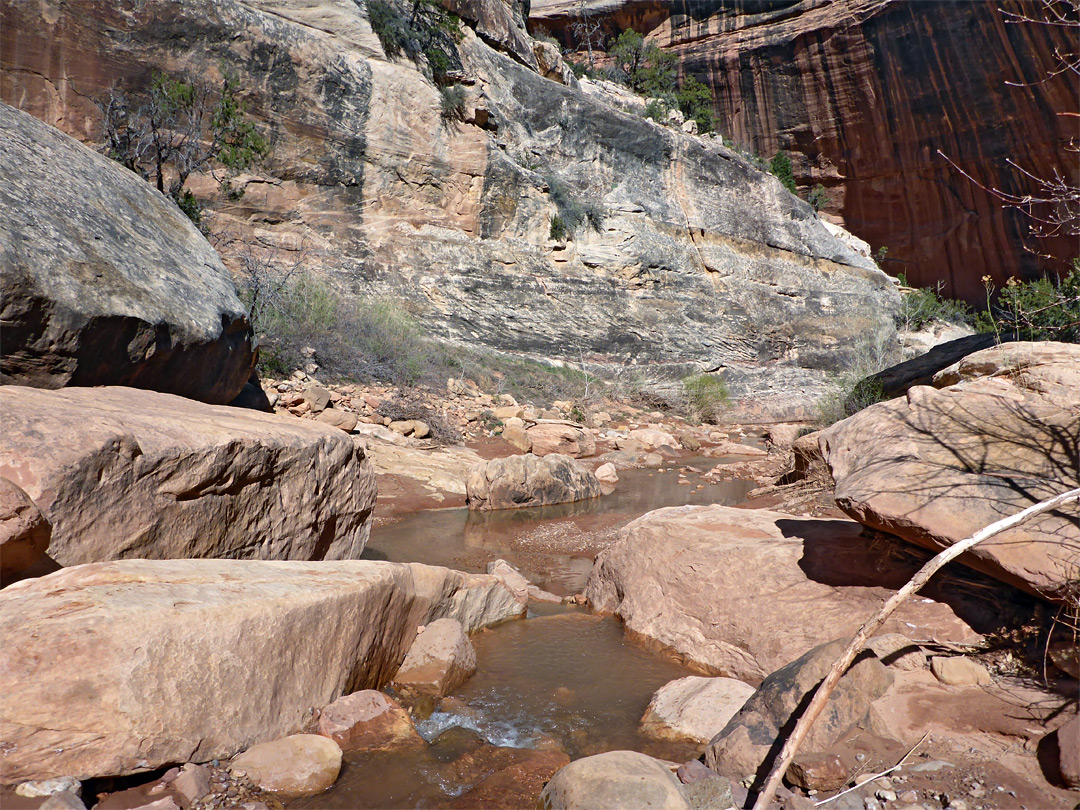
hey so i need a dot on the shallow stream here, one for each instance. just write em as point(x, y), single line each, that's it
point(562, 679)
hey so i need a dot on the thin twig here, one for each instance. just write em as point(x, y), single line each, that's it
point(877, 775)
point(825, 689)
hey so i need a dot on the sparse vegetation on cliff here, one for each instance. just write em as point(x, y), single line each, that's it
point(1043, 309)
point(426, 31)
point(780, 166)
point(179, 128)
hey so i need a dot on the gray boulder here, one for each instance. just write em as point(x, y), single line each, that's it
point(105, 281)
point(617, 780)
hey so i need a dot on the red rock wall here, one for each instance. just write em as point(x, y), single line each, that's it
point(863, 94)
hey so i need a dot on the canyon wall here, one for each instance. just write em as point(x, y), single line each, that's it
point(690, 258)
point(873, 99)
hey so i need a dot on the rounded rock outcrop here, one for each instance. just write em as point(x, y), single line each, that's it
point(617, 780)
point(105, 281)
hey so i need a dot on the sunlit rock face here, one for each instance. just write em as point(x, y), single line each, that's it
point(686, 258)
point(864, 93)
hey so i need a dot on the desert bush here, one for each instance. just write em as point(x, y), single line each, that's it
point(642, 66)
point(1043, 309)
point(922, 306)
point(572, 213)
point(696, 102)
point(353, 339)
point(818, 197)
point(705, 396)
point(855, 388)
point(452, 102)
point(425, 30)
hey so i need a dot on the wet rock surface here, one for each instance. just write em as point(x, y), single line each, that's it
point(105, 281)
point(440, 659)
point(617, 779)
point(368, 720)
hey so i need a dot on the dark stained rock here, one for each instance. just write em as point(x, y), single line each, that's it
point(24, 532)
point(920, 370)
point(863, 93)
point(105, 281)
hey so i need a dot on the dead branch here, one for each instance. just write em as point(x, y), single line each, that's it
point(825, 689)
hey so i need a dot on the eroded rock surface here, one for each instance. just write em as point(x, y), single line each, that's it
point(105, 281)
point(740, 748)
point(121, 472)
point(515, 482)
point(440, 659)
point(368, 720)
point(694, 708)
point(824, 80)
point(693, 260)
point(298, 765)
point(106, 673)
point(24, 532)
point(742, 592)
point(998, 434)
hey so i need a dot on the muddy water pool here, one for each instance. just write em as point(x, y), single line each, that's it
point(562, 679)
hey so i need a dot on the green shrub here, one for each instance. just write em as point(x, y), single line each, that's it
point(696, 102)
point(642, 66)
point(452, 102)
point(921, 306)
point(705, 396)
point(780, 166)
point(572, 213)
point(558, 228)
point(427, 30)
point(1043, 309)
point(657, 110)
point(818, 197)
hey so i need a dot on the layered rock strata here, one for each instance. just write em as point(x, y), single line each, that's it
point(682, 257)
point(876, 99)
point(105, 281)
point(121, 667)
point(121, 472)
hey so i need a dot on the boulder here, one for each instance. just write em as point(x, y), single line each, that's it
point(617, 780)
point(694, 708)
point(368, 720)
point(608, 477)
point(564, 438)
point(743, 745)
point(132, 473)
point(1068, 736)
point(343, 420)
point(997, 435)
point(818, 772)
point(439, 660)
point(317, 397)
point(958, 670)
point(106, 673)
point(528, 480)
point(517, 436)
point(741, 592)
point(24, 532)
point(649, 439)
point(105, 281)
point(300, 765)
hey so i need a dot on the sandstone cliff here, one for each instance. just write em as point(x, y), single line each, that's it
point(863, 94)
point(695, 260)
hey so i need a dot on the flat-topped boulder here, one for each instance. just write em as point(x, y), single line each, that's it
point(122, 472)
point(105, 281)
point(741, 592)
point(121, 667)
point(997, 434)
